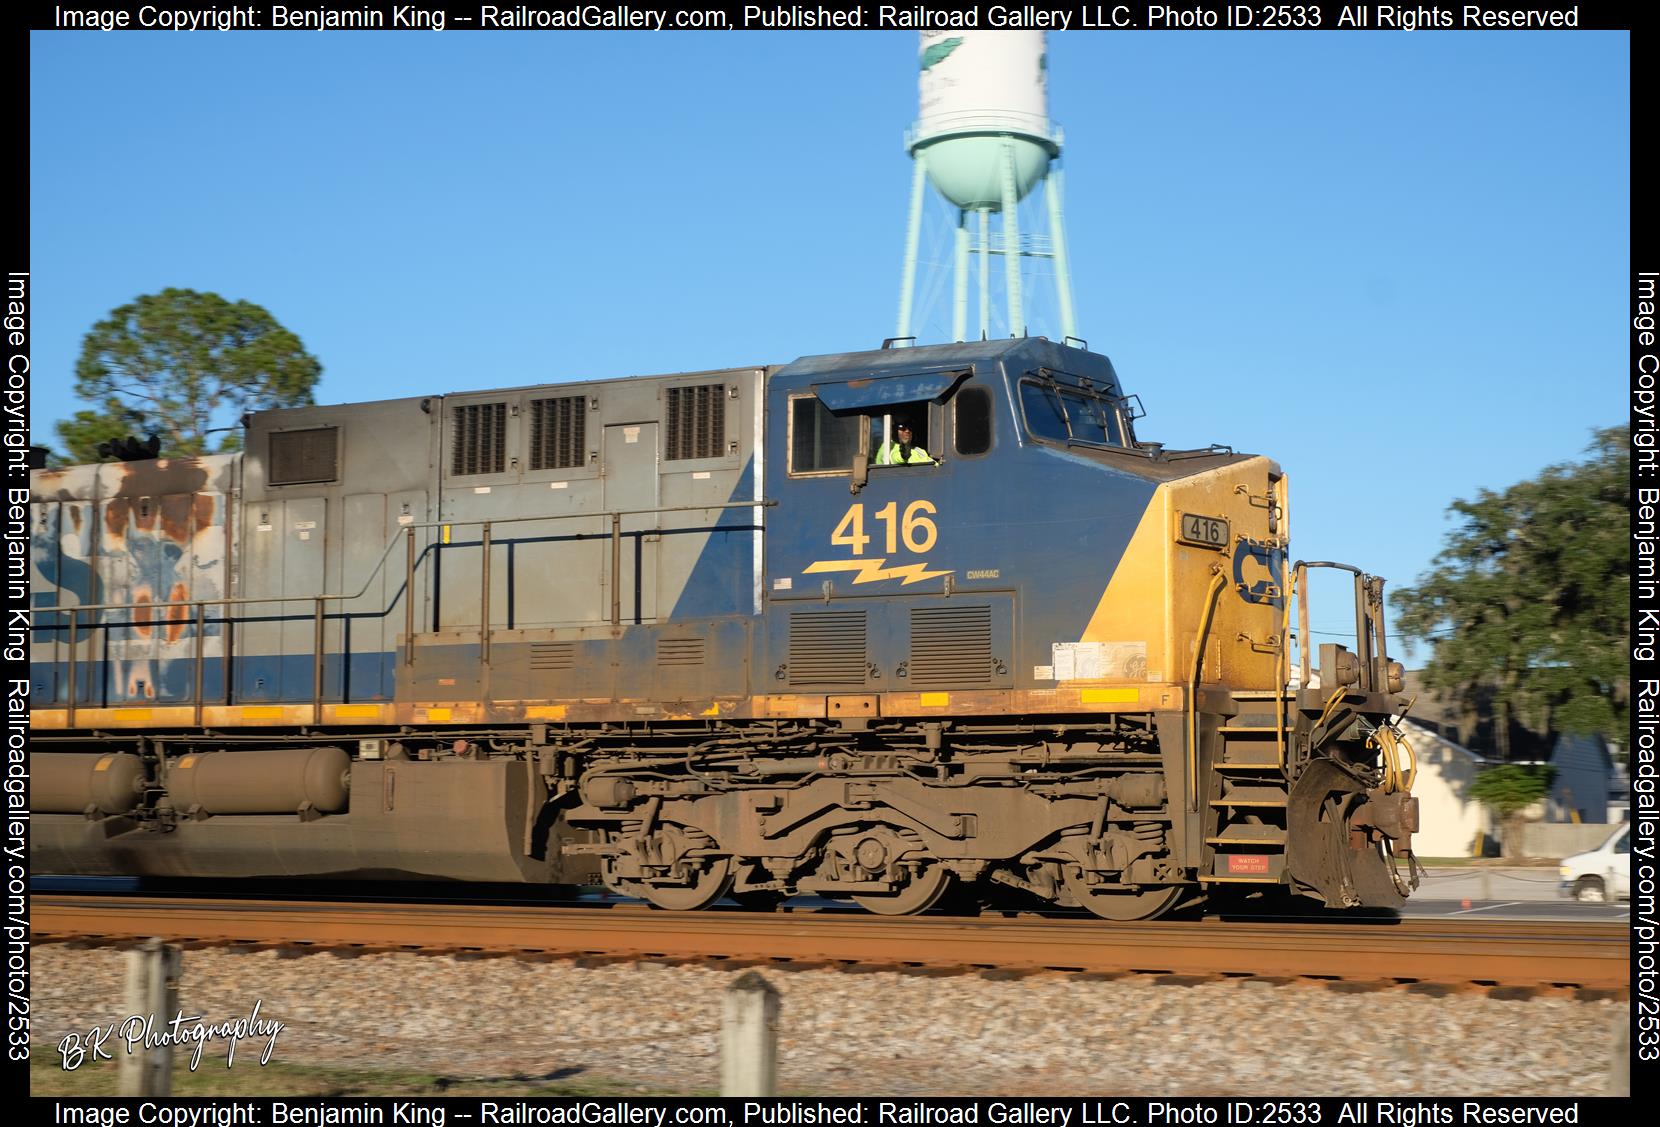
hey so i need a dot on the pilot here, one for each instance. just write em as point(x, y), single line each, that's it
point(902, 451)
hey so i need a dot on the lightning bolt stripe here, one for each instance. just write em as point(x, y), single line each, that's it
point(872, 571)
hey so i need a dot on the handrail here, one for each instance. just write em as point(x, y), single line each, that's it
point(1370, 644)
point(319, 648)
point(408, 529)
point(1217, 582)
point(1294, 590)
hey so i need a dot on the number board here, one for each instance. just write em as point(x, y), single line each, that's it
point(1206, 532)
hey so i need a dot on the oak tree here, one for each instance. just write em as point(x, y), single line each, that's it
point(1527, 605)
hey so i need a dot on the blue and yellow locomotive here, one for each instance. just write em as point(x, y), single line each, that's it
point(691, 636)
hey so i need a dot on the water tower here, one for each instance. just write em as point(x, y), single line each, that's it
point(984, 141)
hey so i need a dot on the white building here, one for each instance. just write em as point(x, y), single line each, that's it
point(1453, 824)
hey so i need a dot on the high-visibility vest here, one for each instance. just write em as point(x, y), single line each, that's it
point(889, 456)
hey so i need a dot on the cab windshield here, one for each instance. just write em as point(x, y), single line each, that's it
point(1062, 413)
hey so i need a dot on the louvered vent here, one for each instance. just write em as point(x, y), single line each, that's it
point(299, 456)
point(558, 433)
point(552, 655)
point(950, 646)
point(696, 422)
point(680, 651)
point(480, 441)
point(827, 648)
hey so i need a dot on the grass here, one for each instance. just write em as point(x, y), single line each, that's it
point(1489, 862)
point(248, 1078)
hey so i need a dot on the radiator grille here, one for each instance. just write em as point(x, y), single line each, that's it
point(680, 651)
point(552, 655)
point(827, 648)
point(950, 646)
point(299, 456)
point(480, 441)
point(558, 433)
point(696, 422)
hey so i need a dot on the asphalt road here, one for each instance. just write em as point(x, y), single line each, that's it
point(1520, 893)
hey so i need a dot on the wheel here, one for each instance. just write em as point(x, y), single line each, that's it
point(920, 893)
point(1589, 890)
point(699, 880)
point(709, 885)
point(1114, 902)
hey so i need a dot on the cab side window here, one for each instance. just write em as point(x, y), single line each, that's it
point(821, 442)
point(901, 435)
point(973, 421)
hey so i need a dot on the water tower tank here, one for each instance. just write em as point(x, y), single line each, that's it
point(983, 93)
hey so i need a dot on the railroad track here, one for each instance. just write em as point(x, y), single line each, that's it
point(1495, 955)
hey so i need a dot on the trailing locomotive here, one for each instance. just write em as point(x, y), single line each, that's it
point(690, 636)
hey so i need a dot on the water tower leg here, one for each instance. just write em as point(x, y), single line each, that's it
point(1057, 236)
point(1011, 243)
point(985, 273)
point(959, 309)
point(913, 231)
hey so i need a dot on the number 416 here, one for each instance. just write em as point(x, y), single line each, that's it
point(918, 532)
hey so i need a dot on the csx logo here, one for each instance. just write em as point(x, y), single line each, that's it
point(1259, 573)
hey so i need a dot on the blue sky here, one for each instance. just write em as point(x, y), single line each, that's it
point(1395, 262)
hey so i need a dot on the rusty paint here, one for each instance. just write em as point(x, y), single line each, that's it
point(141, 611)
point(161, 476)
point(159, 538)
point(177, 616)
point(115, 517)
point(175, 521)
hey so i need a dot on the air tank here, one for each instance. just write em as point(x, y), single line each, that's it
point(261, 782)
point(983, 94)
point(70, 783)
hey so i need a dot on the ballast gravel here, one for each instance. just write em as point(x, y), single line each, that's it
point(654, 1028)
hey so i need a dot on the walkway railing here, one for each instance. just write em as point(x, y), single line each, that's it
point(198, 607)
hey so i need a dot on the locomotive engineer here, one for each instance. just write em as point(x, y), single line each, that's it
point(902, 452)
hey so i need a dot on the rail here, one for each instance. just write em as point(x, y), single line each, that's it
point(198, 607)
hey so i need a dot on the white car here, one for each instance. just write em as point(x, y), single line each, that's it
point(1602, 874)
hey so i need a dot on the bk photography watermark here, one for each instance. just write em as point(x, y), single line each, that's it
point(142, 1032)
